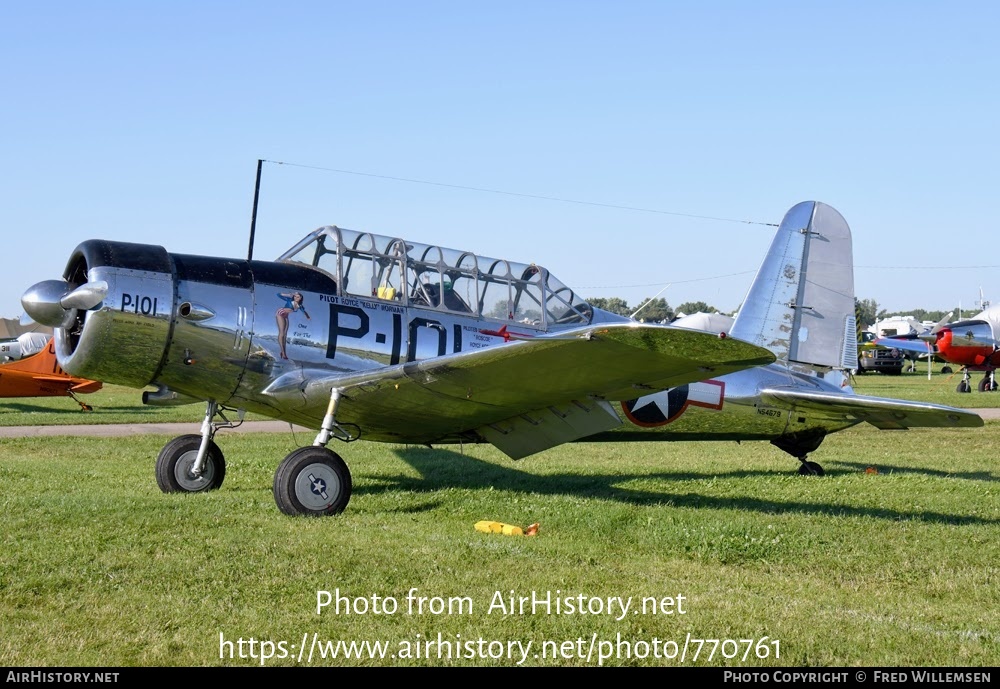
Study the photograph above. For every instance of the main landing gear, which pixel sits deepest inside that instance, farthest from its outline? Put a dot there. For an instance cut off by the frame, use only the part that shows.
(987, 384)
(311, 481)
(193, 463)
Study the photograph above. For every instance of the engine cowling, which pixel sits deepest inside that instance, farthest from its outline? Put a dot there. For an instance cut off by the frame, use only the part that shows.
(135, 315)
(112, 319)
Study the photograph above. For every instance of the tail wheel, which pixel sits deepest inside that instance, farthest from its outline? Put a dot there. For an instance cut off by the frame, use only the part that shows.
(312, 481)
(174, 463)
(810, 469)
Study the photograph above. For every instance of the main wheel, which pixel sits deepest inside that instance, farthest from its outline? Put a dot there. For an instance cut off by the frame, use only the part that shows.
(173, 466)
(810, 469)
(964, 387)
(312, 481)
(986, 386)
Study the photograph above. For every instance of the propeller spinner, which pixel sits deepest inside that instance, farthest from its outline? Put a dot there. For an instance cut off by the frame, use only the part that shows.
(54, 302)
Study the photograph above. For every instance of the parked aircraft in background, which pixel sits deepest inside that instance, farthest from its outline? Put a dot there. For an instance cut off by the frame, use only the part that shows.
(801, 307)
(971, 343)
(360, 336)
(39, 375)
(23, 345)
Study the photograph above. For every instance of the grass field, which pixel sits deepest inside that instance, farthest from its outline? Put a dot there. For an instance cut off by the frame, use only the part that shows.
(898, 567)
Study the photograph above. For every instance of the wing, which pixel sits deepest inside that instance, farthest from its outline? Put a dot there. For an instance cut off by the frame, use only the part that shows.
(448, 396)
(878, 411)
(908, 345)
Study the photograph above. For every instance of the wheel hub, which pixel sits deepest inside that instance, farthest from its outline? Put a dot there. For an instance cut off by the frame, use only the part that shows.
(187, 480)
(317, 487)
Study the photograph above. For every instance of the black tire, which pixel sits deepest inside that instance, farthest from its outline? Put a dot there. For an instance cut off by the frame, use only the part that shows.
(810, 469)
(985, 386)
(946, 369)
(963, 387)
(313, 482)
(175, 460)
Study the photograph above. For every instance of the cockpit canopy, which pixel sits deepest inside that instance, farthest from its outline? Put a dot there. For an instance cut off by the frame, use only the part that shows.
(372, 266)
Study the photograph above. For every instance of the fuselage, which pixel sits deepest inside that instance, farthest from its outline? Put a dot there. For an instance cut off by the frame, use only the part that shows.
(970, 343)
(731, 408)
(208, 328)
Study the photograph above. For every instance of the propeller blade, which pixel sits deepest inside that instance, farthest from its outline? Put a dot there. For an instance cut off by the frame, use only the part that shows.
(941, 323)
(86, 296)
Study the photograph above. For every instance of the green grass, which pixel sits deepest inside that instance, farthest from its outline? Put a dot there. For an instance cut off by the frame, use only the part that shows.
(895, 568)
(111, 404)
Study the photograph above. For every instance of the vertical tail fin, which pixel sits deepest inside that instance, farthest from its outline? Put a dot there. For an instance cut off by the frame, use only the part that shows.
(801, 303)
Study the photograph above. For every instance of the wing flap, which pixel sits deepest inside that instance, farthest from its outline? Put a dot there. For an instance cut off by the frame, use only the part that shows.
(541, 429)
(886, 414)
(423, 401)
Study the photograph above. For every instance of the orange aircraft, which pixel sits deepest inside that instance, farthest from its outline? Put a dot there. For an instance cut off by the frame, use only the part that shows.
(39, 375)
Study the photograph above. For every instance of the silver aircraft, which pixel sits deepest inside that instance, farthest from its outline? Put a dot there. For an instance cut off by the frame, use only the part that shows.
(360, 336)
(801, 307)
(364, 336)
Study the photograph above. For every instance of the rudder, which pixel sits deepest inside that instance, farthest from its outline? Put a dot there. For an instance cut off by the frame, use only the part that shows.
(801, 302)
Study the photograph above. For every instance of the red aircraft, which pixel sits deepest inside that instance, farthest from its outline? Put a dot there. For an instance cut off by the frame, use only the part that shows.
(972, 344)
(39, 375)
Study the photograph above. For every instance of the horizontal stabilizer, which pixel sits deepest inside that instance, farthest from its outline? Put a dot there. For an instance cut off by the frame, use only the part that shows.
(886, 414)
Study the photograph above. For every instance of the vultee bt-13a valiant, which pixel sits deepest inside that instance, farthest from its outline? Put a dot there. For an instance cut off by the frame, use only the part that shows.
(360, 336)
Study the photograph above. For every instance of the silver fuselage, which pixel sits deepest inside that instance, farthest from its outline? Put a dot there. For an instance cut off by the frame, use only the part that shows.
(731, 408)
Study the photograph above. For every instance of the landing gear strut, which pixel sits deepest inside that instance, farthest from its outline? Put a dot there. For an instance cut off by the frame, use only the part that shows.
(83, 405)
(194, 463)
(315, 481)
(964, 385)
(809, 468)
(988, 383)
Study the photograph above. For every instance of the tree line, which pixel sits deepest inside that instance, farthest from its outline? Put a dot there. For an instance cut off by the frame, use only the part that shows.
(867, 313)
(659, 311)
(655, 311)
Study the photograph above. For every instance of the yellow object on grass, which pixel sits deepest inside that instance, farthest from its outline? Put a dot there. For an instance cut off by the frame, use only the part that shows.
(506, 529)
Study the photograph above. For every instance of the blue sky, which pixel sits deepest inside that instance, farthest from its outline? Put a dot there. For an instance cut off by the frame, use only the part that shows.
(142, 121)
